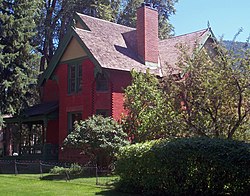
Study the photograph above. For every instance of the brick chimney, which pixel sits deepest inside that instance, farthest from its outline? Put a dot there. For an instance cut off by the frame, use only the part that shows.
(147, 34)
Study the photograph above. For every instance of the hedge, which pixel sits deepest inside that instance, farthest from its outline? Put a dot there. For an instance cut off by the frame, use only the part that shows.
(187, 166)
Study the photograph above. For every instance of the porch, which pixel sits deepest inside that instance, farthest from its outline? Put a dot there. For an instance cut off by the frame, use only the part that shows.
(46, 152)
(30, 135)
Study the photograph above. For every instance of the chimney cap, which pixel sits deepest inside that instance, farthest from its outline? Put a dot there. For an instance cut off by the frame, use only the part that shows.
(144, 4)
(149, 5)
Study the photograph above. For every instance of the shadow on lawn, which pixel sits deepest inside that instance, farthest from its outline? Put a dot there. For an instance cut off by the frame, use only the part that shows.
(59, 177)
(114, 193)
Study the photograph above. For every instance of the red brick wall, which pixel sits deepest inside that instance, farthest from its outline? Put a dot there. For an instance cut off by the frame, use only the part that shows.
(147, 34)
(86, 101)
(50, 91)
(79, 102)
(52, 132)
(119, 80)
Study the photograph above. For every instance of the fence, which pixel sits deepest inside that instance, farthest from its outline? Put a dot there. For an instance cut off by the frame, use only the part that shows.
(102, 177)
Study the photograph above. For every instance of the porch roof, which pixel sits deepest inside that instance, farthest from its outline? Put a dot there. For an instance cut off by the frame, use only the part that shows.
(37, 113)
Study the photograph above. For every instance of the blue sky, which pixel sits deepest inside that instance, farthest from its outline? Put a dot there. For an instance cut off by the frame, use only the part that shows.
(226, 17)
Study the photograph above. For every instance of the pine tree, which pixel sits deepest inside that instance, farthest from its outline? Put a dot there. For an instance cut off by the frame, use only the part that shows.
(18, 59)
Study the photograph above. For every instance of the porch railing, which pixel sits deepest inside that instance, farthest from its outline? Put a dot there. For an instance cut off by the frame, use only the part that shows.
(43, 152)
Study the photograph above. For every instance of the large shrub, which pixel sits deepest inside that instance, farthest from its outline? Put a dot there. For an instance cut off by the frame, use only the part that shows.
(185, 166)
(98, 137)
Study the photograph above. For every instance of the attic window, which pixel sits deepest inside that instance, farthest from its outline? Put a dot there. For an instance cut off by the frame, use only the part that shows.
(74, 78)
(101, 82)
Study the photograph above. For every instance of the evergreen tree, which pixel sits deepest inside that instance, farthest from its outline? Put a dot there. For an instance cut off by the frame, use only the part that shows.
(165, 9)
(18, 59)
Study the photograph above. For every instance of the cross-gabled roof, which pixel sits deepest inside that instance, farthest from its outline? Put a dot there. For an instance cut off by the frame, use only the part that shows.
(113, 46)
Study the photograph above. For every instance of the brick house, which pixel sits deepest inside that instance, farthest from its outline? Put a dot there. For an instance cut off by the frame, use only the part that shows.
(88, 73)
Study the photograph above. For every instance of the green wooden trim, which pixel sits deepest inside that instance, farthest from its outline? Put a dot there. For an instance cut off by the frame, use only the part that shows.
(71, 61)
(68, 78)
(69, 119)
(78, 18)
(209, 34)
(55, 59)
(59, 52)
(21, 119)
(77, 78)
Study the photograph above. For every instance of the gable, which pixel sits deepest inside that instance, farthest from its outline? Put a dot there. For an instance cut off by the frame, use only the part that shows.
(70, 41)
(73, 51)
(113, 46)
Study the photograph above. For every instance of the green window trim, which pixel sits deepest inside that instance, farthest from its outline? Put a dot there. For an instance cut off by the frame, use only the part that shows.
(103, 112)
(71, 118)
(74, 77)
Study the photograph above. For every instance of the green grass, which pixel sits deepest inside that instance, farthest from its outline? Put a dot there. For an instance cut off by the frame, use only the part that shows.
(24, 184)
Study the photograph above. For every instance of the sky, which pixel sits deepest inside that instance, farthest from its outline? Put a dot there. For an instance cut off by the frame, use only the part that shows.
(225, 17)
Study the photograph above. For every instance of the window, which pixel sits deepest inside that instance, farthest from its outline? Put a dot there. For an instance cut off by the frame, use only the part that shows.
(74, 78)
(101, 83)
(103, 112)
(72, 118)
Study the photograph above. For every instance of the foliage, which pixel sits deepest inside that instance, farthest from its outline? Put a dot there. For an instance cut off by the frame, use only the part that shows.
(150, 114)
(165, 9)
(187, 166)
(97, 136)
(74, 169)
(59, 170)
(17, 54)
(57, 16)
(214, 91)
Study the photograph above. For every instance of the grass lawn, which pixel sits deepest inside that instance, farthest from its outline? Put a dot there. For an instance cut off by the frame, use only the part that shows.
(24, 184)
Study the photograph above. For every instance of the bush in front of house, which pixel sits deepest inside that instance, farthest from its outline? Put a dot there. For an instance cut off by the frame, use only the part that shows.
(98, 137)
(185, 166)
(73, 170)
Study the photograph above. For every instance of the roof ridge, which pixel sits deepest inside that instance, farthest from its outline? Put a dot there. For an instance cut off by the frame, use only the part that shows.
(185, 34)
(106, 21)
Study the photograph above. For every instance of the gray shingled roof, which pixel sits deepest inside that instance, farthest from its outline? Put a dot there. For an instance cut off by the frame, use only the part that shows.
(114, 46)
(170, 53)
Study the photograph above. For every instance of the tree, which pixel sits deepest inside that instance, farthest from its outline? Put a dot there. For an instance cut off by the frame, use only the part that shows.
(98, 137)
(56, 17)
(210, 98)
(215, 93)
(165, 9)
(17, 54)
(150, 114)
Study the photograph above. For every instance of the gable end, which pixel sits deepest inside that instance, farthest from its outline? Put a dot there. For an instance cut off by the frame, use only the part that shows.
(60, 51)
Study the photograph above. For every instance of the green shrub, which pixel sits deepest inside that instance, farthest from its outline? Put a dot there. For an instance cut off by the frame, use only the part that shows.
(187, 166)
(59, 170)
(98, 137)
(74, 169)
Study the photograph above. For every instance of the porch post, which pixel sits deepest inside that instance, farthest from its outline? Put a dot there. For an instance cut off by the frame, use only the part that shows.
(44, 128)
(30, 129)
(20, 137)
